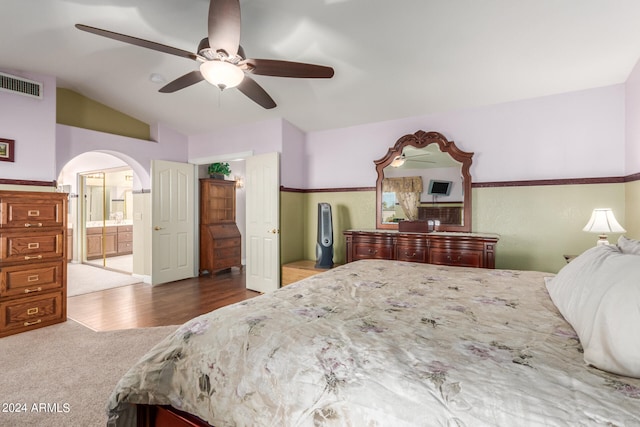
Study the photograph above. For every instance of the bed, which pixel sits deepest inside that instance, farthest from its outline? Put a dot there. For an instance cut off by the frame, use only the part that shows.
(381, 343)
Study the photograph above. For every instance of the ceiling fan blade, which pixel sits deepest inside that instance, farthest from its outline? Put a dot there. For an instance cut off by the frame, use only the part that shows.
(255, 92)
(182, 82)
(273, 67)
(224, 25)
(138, 42)
(416, 158)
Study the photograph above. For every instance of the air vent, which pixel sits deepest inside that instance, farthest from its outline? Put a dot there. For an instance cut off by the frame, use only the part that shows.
(20, 86)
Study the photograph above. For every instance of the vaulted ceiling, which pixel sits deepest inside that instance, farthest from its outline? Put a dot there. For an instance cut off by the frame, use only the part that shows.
(392, 59)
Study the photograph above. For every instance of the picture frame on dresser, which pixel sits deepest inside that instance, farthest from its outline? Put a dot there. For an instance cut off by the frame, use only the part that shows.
(7, 150)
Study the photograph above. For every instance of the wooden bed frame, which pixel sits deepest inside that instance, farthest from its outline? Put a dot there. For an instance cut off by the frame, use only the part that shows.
(166, 416)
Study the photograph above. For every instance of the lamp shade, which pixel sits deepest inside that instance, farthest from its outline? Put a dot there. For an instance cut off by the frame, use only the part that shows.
(222, 74)
(603, 221)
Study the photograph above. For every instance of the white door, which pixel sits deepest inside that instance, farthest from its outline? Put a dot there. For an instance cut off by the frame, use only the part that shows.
(263, 222)
(172, 221)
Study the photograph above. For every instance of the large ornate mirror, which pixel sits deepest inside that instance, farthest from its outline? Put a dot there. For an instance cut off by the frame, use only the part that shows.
(424, 178)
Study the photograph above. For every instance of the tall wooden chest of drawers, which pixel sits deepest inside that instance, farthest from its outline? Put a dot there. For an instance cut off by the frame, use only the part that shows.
(220, 240)
(33, 264)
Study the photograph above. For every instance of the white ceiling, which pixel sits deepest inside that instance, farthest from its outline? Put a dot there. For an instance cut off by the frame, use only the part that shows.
(392, 58)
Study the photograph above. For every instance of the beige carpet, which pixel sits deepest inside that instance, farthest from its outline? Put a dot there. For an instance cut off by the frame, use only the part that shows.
(123, 263)
(68, 368)
(83, 279)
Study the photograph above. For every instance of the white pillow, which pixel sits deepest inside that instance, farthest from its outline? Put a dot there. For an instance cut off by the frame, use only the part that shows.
(598, 293)
(629, 246)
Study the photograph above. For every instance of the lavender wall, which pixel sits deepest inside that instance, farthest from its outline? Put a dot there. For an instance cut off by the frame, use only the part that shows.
(262, 137)
(632, 189)
(259, 138)
(293, 168)
(573, 135)
(171, 145)
(633, 121)
(31, 123)
(43, 147)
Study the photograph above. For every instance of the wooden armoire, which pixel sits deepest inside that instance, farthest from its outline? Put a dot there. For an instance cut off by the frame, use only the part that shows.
(220, 241)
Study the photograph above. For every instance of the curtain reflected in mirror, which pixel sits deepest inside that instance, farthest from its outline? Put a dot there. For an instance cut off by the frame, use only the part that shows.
(439, 199)
(406, 192)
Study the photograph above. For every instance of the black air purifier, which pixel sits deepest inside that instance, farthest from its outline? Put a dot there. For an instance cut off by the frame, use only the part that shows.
(324, 247)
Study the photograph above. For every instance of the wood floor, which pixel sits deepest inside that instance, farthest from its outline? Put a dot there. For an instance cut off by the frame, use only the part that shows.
(143, 306)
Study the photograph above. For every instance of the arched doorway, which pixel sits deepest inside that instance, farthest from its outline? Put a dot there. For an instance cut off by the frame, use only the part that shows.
(101, 212)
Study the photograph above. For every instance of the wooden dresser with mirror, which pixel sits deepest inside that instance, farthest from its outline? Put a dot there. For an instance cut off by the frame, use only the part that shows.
(423, 207)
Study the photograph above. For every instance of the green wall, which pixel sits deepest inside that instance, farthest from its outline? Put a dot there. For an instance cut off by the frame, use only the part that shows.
(292, 232)
(76, 110)
(349, 209)
(298, 221)
(536, 224)
(632, 201)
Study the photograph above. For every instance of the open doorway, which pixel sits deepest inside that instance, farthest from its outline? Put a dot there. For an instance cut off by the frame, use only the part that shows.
(237, 165)
(100, 233)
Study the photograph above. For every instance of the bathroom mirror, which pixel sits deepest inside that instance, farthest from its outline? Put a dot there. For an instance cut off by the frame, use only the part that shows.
(108, 197)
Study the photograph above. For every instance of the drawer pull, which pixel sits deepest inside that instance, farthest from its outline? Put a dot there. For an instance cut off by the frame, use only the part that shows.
(27, 258)
(454, 260)
(33, 245)
(32, 323)
(33, 278)
(32, 311)
(373, 251)
(409, 255)
(37, 224)
(28, 291)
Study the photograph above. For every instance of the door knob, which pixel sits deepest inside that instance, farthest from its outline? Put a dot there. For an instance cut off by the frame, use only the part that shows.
(158, 228)
(274, 231)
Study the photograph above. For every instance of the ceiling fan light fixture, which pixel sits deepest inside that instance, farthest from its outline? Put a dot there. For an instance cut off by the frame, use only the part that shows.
(157, 78)
(398, 161)
(221, 73)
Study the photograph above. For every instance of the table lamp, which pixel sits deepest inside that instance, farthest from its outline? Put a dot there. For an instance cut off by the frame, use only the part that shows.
(603, 221)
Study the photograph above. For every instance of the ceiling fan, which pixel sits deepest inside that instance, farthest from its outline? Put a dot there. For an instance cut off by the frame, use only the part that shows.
(223, 61)
(402, 158)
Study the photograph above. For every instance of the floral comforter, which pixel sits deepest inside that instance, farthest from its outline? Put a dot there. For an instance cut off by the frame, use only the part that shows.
(383, 343)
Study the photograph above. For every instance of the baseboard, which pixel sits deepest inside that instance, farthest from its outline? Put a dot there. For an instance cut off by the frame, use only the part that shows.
(143, 277)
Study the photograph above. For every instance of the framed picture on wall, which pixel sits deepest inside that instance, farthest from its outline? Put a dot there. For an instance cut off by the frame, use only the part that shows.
(7, 150)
